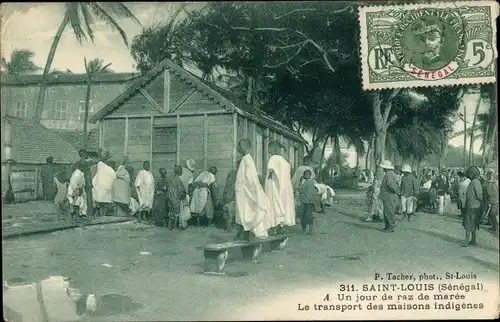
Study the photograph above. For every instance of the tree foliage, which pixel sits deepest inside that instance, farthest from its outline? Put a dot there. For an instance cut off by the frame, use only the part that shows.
(20, 63)
(299, 61)
(83, 17)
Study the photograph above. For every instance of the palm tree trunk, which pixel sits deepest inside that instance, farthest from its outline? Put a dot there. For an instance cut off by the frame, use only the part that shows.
(323, 150)
(48, 64)
(465, 136)
(336, 147)
(86, 116)
(249, 89)
(471, 144)
(368, 151)
(493, 145)
(323, 161)
(485, 147)
(373, 162)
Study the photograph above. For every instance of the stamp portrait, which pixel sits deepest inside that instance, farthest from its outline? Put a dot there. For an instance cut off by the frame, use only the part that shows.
(428, 44)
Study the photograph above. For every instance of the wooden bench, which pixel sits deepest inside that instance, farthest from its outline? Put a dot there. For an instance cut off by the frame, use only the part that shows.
(216, 255)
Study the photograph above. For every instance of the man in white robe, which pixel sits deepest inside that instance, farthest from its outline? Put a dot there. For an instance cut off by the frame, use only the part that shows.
(102, 183)
(251, 200)
(279, 190)
(145, 186)
(76, 193)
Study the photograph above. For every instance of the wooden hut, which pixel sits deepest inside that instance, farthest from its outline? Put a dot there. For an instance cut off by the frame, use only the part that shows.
(170, 115)
(25, 147)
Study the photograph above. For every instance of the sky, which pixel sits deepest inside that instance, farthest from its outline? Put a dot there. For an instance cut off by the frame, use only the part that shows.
(33, 25)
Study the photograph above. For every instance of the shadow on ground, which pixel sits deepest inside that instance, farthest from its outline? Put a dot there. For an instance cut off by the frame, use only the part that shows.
(362, 226)
(452, 239)
(489, 265)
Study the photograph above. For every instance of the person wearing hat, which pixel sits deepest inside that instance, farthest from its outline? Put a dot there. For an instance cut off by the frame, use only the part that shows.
(48, 184)
(389, 191)
(429, 34)
(473, 200)
(409, 191)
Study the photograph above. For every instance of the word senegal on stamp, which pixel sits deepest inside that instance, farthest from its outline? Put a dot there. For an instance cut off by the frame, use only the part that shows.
(434, 44)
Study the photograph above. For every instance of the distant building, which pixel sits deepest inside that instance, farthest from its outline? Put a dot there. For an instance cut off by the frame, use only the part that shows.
(25, 147)
(64, 104)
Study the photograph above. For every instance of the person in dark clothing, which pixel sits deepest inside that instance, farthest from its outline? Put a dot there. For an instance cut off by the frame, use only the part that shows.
(433, 194)
(442, 185)
(228, 199)
(160, 199)
(308, 197)
(389, 191)
(473, 215)
(491, 199)
(176, 193)
(48, 184)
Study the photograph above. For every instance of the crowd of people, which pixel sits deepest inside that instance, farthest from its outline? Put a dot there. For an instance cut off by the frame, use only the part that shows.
(259, 205)
(401, 192)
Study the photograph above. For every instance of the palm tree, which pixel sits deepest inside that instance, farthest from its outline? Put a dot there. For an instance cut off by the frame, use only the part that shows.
(415, 141)
(81, 16)
(21, 62)
(93, 67)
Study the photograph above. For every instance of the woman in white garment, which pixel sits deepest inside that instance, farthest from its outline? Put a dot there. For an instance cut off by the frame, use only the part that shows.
(121, 190)
(76, 193)
(103, 186)
(202, 202)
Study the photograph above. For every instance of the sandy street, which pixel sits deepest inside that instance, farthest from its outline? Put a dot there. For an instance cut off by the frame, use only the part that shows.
(166, 284)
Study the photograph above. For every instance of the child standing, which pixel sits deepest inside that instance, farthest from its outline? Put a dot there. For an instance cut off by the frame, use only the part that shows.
(308, 197)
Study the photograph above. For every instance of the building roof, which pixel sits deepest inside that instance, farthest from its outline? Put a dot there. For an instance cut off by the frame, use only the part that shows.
(75, 138)
(226, 100)
(59, 79)
(32, 143)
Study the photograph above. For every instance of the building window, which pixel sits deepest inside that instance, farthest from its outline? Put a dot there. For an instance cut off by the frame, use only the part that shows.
(81, 110)
(21, 109)
(61, 112)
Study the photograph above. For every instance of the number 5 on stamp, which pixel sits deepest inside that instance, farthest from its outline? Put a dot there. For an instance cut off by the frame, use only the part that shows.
(428, 44)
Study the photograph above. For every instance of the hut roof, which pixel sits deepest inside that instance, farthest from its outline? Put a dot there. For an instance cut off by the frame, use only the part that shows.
(226, 100)
(32, 143)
